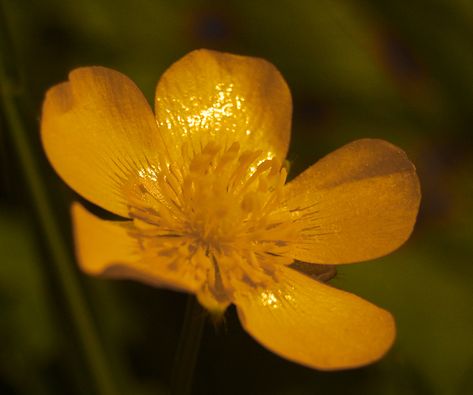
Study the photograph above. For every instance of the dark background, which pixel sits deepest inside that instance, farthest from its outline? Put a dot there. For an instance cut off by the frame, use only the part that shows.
(397, 70)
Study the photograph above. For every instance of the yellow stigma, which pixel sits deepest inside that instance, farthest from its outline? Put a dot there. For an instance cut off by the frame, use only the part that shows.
(221, 213)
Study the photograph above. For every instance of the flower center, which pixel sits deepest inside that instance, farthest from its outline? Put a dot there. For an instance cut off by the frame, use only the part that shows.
(221, 212)
(227, 194)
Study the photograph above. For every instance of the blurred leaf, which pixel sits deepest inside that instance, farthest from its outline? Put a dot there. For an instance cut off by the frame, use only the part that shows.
(26, 327)
(431, 301)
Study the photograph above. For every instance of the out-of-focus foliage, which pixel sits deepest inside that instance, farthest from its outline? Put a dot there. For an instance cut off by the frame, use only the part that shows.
(402, 71)
(26, 329)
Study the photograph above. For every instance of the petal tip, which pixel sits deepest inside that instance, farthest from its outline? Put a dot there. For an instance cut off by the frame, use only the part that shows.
(58, 97)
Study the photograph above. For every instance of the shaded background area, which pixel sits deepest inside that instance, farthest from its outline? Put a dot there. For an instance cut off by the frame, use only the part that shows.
(402, 71)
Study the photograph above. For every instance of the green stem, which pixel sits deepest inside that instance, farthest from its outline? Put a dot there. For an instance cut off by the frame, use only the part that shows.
(60, 256)
(188, 349)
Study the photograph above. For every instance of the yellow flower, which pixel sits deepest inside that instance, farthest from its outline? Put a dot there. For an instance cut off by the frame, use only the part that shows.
(202, 188)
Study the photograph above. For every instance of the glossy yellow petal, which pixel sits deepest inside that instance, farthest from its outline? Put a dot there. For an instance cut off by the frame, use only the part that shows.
(210, 95)
(357, 203)
(106, 248)
(316, 325)
(99, 132)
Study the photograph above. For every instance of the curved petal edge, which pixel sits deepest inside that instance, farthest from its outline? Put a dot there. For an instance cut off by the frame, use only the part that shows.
(316, 325)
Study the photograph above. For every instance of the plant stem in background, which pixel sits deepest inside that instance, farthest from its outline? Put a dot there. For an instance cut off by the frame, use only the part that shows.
(188, 348)
(61, 259)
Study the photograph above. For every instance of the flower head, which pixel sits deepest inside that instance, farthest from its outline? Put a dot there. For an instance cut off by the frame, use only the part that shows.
(202, 189)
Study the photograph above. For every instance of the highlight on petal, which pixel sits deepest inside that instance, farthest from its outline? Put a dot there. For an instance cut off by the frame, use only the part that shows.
(106, 248)
(316, 325)
(210, 95)
(99, 133)
(360, 202)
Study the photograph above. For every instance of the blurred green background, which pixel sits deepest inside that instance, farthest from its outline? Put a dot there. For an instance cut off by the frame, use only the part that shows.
(402, 71)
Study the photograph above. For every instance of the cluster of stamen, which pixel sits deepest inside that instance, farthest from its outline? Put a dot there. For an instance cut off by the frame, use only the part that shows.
(218, 218)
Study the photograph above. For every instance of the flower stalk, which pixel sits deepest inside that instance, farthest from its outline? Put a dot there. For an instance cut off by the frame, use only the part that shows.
(188, 349)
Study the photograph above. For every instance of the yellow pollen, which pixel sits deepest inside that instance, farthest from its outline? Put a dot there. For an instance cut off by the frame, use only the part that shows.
(221, 213)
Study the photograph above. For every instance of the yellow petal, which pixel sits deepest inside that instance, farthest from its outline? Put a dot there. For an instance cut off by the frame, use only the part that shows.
(210, 302)
(98, 132)
(357, 203)
(210, 95)
(105, 248)
(316, 325)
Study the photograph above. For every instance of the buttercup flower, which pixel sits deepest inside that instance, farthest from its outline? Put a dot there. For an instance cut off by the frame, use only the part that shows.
(206, 209)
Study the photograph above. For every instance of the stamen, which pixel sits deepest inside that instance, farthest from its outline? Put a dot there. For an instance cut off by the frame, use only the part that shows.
(220, 216)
